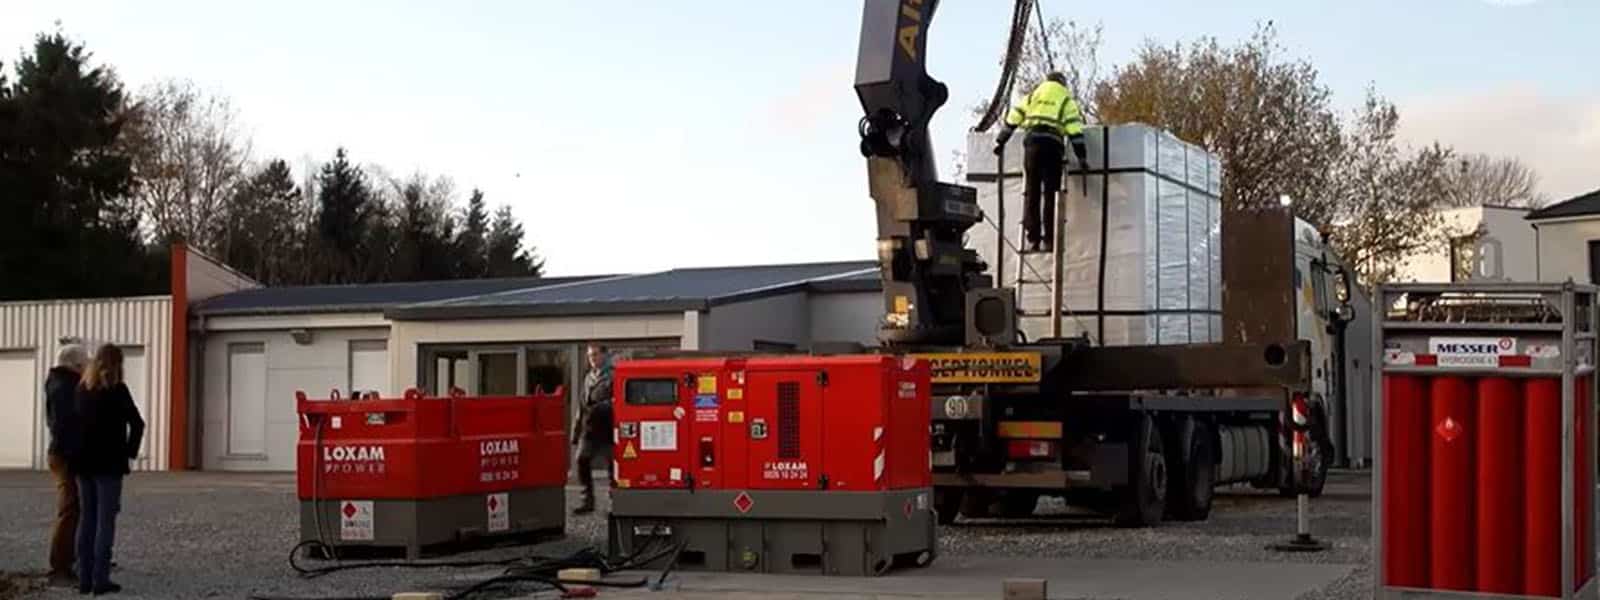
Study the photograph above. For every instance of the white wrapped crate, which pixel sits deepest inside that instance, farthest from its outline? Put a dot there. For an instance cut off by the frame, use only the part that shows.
(1162, 244)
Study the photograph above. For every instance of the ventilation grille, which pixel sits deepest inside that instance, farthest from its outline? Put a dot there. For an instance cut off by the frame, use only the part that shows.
(789, 420)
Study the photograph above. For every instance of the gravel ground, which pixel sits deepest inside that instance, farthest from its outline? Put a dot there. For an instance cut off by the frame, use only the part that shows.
(213, 535)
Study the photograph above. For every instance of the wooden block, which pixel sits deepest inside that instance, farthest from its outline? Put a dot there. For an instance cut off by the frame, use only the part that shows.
(1023, 589)
(578, 575)
(418, 596)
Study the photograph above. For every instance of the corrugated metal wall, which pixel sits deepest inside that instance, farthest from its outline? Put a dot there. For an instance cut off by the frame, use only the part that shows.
(144, 322)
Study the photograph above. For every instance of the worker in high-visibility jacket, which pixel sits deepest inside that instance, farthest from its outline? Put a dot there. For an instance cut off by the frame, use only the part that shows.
(1049, 114)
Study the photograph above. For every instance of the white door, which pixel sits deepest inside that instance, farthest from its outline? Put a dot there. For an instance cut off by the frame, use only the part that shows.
(136, 377)
(369, 367)
(19, 397)
(247, 400)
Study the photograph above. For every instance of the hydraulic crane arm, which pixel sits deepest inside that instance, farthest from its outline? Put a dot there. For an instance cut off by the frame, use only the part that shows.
(926, 269)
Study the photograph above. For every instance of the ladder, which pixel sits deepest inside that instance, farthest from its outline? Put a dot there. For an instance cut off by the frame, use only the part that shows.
(1024, 269)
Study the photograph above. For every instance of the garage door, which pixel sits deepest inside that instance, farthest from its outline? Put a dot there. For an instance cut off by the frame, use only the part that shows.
(18, 396)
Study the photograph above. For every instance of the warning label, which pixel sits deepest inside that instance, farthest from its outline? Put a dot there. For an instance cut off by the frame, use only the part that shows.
(984, 367)
(658, 435)
(355, 520)
(499, 509)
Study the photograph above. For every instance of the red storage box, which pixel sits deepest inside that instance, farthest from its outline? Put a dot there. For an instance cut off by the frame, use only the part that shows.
(1474, 491)
(417, 471)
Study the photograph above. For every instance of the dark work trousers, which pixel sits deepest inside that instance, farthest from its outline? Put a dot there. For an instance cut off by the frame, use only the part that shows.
(65, 532)
(100, 499)
(588, 451)
(1041, 166)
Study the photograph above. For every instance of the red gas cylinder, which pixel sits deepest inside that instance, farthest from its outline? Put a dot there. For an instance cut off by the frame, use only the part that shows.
(1500, 486)
(1405, 480)
(1542, 548)
(1453, 553)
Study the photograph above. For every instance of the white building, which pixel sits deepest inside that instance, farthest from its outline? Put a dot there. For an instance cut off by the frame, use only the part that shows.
(31, 332)
(256, 348)
(1568, 239)
(1487, 243)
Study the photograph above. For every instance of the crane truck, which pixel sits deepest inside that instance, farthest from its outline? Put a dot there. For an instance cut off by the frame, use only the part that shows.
(1141, 433)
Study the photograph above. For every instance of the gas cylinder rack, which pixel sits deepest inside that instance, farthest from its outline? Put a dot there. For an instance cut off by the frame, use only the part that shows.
(1485, 434)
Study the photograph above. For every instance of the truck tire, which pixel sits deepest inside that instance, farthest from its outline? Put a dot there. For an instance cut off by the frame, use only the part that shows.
(1017, 504)
(1193, 481)
(946, 503)
(1142, 502)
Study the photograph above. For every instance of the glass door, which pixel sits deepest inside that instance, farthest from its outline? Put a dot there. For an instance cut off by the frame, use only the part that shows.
(497, 372)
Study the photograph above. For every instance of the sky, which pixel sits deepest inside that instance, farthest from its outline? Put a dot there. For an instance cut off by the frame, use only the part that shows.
(638, 136)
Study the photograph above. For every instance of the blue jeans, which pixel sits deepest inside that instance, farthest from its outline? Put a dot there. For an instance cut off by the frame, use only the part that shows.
(99, 500)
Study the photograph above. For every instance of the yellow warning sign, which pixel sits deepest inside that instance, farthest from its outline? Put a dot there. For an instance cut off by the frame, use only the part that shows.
(629, 452)
(736, 393)
(708, 384)
(622, 483)
(984, 367)
(735, 416)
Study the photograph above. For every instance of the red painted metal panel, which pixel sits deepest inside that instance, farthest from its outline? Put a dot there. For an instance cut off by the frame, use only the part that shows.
(416, 447)
(1451, 497)
(910, 451)
(1542, 544)
(785, 422)
(1500, 486)
(1405, 480)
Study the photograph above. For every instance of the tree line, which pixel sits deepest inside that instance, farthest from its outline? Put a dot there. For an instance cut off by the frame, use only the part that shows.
(97, 182)
(1272, 122)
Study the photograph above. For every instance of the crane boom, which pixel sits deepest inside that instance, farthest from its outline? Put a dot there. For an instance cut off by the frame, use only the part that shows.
(926, 268)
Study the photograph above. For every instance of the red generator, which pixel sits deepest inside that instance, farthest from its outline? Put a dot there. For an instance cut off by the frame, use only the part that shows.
(416, 472)
(785, 464)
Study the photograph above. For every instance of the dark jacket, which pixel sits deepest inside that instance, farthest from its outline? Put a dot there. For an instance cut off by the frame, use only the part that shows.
(594, 409)
(110, 433)
(60, 415)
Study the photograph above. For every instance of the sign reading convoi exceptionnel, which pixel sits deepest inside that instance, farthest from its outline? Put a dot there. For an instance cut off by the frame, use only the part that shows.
(1471, 351)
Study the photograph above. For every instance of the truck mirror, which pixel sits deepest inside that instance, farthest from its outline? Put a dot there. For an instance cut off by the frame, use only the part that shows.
(1341, 287)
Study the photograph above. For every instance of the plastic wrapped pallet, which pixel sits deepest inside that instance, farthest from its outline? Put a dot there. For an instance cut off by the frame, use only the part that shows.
(1162, 251)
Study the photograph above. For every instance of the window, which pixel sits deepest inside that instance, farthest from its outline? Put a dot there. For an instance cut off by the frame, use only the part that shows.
(651, 392)
(247, 399)
(1594, 261)
(369, 368)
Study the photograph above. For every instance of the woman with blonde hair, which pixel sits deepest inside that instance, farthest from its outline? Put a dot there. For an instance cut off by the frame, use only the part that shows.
(111, 431)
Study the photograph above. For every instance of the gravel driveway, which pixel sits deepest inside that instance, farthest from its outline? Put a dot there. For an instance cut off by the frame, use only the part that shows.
(216, 535)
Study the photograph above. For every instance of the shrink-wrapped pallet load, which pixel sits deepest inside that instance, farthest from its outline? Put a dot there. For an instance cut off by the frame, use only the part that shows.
(1161, 273)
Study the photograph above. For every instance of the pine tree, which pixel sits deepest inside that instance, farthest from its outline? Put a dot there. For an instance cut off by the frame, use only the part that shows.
(263, 230)
(506, 257)
(65, 225)
(471, 243)
(344, 218)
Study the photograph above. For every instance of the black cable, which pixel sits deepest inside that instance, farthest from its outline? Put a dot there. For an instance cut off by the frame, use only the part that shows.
(1044, 36)
(1008, 66)
(676, 552)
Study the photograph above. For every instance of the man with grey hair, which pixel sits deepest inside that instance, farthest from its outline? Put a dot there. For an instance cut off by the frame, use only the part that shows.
(59, 390)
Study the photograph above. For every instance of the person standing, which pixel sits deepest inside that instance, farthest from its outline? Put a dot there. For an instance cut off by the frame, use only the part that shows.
(60, 388)
(111, 431)
(1050, 116)
(591, 429)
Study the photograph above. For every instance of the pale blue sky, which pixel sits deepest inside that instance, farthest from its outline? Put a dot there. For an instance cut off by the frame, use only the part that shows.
(644, 135)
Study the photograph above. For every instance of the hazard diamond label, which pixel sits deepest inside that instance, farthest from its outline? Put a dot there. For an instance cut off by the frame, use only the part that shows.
(355, 522)
(908, 509)
(1449, 429)
(743, 502)
(499, 515)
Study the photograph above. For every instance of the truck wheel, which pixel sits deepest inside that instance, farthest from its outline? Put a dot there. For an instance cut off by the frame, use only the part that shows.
(1194, 480)
(1016, 504)
(946, 503)
(1145, 499)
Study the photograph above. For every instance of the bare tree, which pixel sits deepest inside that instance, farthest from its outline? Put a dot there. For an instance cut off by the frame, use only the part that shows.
(1384, 197)
(1479, 180)
(190, 157)
(1070, 48)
